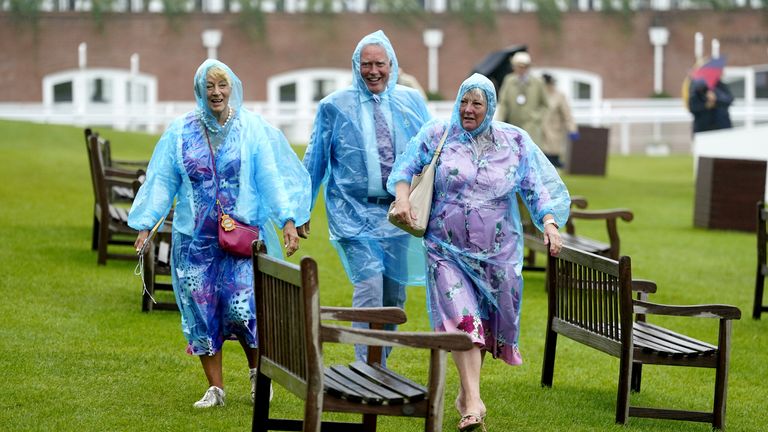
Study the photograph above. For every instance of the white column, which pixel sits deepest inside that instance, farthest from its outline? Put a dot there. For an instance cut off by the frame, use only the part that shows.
(79, 83)
(436, 6)
(82, 55)
(715, 48)
(290, 6)
(211, 40)
(433, 38)
(698, 47)
(659, 37)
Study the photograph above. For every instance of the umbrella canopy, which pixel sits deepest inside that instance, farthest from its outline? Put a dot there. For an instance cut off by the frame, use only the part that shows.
(709, 72)
(495, 66)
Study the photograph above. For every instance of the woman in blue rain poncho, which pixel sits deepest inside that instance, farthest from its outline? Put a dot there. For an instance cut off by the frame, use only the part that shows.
(474, 239)
(351, 152)
(220, 151)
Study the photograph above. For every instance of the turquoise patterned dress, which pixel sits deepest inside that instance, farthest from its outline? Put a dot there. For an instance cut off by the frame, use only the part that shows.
(258, 179)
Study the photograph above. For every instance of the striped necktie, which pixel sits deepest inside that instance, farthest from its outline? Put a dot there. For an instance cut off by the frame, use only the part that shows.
(383, 141)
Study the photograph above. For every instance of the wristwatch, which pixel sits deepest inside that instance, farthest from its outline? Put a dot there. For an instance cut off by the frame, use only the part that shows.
(551, 221)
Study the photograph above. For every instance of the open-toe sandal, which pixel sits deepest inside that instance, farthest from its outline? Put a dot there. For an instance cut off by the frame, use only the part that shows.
(471, 422)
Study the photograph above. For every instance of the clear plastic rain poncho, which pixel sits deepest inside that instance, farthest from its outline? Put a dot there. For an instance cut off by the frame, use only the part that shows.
(336, 157)
(258, 180)
(474, 240)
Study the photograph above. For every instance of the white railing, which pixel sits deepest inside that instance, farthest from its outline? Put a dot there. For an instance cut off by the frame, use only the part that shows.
(365, 6)
(636, 125)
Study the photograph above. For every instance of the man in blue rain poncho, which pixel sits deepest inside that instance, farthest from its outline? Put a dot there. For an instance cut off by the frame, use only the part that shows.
(220, 157)
(357, 134)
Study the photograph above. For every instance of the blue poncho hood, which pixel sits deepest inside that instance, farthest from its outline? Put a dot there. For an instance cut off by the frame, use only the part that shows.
(484, 84)
(235, 97)
(375, 38)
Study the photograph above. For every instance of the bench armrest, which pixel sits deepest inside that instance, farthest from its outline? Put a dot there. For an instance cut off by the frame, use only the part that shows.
(116, 181)
(609, 216)
(578, 201)
(124, 173)
(644, 286)
(131, 163)
(624, 214)
(698, 311)
(427, 340)
(383, 315)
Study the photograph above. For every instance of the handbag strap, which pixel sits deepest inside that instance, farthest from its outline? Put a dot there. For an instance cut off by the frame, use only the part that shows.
(440, 146)
(213, 163)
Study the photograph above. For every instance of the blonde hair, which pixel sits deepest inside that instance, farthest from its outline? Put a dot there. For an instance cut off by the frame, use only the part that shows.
(217, 74)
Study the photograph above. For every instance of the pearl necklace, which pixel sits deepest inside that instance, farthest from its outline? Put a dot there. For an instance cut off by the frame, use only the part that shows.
(211, 128)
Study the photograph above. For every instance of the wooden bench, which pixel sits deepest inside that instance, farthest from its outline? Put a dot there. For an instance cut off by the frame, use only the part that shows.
(762, 265)
(291, 339)
(110, 215)
(591, 302)
(129, 170)
(534, 239)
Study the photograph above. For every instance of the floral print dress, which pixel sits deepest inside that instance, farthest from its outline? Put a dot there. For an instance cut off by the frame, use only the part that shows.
(474, 241)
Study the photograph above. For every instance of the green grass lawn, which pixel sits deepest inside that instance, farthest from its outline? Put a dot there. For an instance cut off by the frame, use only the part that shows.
(78, 355)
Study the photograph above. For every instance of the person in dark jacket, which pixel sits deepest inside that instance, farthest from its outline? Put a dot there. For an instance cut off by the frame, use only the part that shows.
(709, 106)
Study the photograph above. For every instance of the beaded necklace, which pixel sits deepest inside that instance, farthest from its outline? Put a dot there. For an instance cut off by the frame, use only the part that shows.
(211, 128)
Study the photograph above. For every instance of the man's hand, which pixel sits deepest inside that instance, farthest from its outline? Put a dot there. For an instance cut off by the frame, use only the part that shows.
(303, 231)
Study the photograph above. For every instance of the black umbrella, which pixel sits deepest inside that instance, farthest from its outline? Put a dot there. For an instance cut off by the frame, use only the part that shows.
(496, 65)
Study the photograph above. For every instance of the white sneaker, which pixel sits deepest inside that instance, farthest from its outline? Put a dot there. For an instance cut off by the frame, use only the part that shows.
(214, 396)
(252, 375)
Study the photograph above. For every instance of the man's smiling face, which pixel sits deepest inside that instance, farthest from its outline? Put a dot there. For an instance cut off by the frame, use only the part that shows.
(374, 68)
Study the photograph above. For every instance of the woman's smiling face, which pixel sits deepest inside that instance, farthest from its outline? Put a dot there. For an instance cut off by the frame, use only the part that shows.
(218, 90)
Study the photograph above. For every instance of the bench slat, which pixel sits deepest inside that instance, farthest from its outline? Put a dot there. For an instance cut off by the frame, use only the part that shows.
(349, 387)
(410, 390)
(388, 396)
(337, 388)
(584, 243)
(675, 341)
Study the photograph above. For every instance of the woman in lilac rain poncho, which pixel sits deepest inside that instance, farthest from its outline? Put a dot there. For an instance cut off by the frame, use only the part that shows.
(220, 151)
(474, 240)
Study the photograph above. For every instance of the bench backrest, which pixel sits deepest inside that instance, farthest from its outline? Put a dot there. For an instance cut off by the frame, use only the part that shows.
(101, 190)
(590, 298)
(762, 235)
(288, 320)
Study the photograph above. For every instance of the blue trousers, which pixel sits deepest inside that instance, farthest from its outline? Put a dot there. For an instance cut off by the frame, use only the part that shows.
(377, 269)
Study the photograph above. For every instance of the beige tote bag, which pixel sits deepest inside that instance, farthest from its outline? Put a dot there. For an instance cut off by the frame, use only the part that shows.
(422, 187)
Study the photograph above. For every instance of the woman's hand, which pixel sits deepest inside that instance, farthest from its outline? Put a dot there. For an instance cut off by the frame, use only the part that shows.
(140, 239)
(402, 209)
(290, 237)
(552, 239)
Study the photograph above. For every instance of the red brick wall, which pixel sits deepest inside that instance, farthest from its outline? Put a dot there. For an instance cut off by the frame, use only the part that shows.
(591, 41)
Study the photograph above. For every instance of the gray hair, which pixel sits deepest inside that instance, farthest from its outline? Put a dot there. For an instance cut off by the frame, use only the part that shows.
(477, 92)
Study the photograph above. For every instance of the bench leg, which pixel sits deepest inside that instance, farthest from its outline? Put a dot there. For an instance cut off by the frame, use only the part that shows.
(721, 374)
(261, 404)
(95, 234)
(622, 397)
(550, 347)
(530, 258)
(637, 376)
(757, 308)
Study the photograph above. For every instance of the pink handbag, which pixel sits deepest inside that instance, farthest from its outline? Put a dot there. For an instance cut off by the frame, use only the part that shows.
(235, 237)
